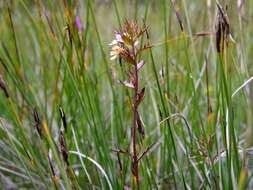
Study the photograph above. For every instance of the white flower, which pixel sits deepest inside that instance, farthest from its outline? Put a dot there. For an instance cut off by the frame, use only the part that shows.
(136, 43)
(114, 42)
(116, 50)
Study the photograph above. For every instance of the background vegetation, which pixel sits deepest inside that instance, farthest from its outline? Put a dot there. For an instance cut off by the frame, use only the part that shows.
(197, 110)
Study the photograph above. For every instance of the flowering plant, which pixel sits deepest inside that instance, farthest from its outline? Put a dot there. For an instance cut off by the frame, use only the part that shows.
(127, 47)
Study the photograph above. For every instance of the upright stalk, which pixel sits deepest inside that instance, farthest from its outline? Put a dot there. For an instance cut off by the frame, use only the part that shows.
(135, 115)
(126, 46)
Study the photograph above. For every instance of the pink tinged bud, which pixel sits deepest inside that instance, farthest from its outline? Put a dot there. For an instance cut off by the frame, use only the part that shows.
(78, 23)
(118, 37)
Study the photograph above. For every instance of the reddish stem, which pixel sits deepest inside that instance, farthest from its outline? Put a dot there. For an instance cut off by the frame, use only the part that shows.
(135, 170)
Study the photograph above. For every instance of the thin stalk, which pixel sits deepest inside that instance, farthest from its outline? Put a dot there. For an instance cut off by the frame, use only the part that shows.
(135, 115)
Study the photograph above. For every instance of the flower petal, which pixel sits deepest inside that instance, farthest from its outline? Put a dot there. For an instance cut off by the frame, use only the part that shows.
(113, 57)
(118, 37)
(136, 43)
(78, 23)
(114, 42)
(127, 84)
(140, 64)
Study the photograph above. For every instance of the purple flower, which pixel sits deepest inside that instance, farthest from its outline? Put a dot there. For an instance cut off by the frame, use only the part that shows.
(118, 37)
(78, 23)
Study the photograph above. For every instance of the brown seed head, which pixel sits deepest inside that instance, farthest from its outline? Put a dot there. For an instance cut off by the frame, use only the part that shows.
(63, 118)
(3, 86)
(37, 123)
(63, 147)
(222, 29)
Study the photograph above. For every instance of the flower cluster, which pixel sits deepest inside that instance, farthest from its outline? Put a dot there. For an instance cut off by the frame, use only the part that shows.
(126, 42)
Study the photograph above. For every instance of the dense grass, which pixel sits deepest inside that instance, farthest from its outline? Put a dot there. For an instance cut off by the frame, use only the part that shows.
(197, 111)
